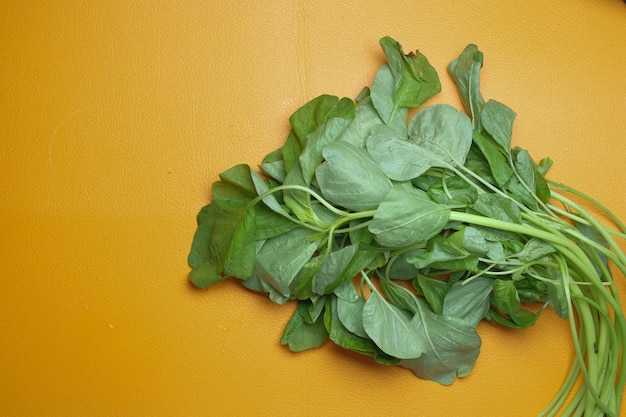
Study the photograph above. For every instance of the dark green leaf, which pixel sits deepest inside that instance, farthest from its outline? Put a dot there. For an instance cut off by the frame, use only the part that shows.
(434, 291)
(445, 254)
(498, 207)
(505, 297)
(497, 159)
(497, 119)
(273, 165)
(535, 249)
(291, 151)
(401, 269)
(343, 337)
(301, 335)
(317, 112)
(298, 201)
(205, 274)
(241, 255)
(468, 301)
(269, 223)
(200, 246)
(465, 71)
(326, 279)
(302, 285)
(415, 80)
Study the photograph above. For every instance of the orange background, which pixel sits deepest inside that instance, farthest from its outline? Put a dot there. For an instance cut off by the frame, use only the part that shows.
(115, 118)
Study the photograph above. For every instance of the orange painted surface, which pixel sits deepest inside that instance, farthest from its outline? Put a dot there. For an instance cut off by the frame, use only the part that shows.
(115, 120)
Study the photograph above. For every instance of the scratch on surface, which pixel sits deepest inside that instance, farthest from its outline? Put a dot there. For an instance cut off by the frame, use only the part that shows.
(60, 125)
(228, 327)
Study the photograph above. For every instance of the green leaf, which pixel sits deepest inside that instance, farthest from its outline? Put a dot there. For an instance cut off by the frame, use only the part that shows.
(256, 283)
(350, 178)
(453, 346)
(241, 255)
(358, 256)
(497, 119)
(334, 264)
(434, 291)
(399, 295)
(269, 224)
(473, 241)
(273, 165)
(498, 207)
(520, 319)
(302, 284)
(469, 301)
(301, 335)
(415, 80)
(444, 133)
(344, 338)
(399, 158)
(505, 297)
(200, 245)
(282, 257)
(206, 274)
(311, 155)
(530, 175)
(446, 254)
(391, 328)
(291, 151)
(318, 303)
(400, 269)
(262, 188)
(365, 118)
(350, 314)
(317, 112)
(495, 156)
(298, 201)
(465, 72)
(452, 191)
(383, 100)
(535, 249)
(239, 177)
(407, 216)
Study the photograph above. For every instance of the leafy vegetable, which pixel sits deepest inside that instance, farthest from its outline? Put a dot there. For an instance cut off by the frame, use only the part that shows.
(397, 237)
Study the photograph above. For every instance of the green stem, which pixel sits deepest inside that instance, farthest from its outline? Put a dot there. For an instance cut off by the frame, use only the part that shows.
(596, 203)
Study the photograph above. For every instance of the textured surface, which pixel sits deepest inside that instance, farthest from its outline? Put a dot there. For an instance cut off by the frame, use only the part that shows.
(114, 121)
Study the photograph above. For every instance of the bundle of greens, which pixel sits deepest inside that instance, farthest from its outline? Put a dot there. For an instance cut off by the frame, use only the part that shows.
(397, 235)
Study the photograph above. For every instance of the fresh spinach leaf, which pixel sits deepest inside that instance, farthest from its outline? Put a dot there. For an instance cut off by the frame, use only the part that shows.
(469, 301)
(317, 112)
(282, 257)
(415, 80)
(497, 119)
(301, 335)
(443, 133)
(391, 328)
(399, 158)
(350, 178)
(406, 216)
(465, 72)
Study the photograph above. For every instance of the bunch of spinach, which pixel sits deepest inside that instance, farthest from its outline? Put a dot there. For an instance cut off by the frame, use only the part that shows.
(397, 238)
